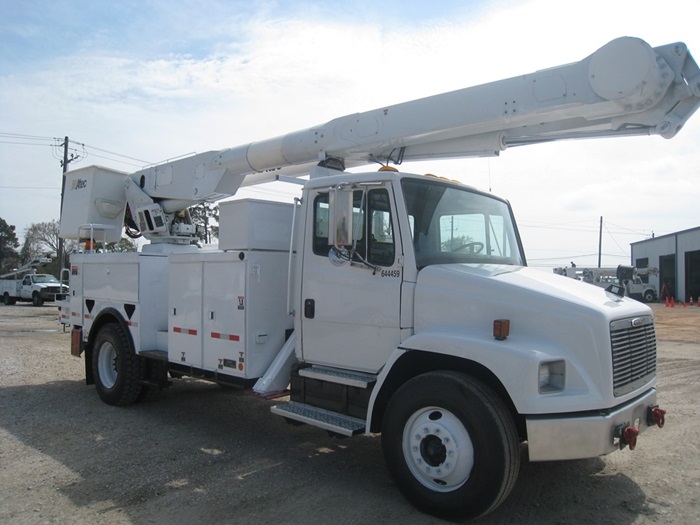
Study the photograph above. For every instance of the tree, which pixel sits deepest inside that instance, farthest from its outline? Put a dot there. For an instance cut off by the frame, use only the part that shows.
(9, 243)
(41, 239)
(124, 245)
(454, 243)
(206, 217)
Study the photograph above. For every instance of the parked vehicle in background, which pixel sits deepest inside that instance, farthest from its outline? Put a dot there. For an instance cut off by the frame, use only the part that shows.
(23, 284)
(628, 277)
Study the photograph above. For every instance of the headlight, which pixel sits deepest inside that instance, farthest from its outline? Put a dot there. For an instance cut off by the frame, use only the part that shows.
(552, 375)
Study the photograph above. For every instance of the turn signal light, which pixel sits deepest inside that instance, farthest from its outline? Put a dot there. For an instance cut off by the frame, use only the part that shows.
(501, 329)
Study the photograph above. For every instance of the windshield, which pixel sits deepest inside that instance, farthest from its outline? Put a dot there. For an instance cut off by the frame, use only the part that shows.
(459, 225)
(41, 278)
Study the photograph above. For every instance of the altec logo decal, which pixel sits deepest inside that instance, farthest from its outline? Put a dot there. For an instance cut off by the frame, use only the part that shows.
(78, 184)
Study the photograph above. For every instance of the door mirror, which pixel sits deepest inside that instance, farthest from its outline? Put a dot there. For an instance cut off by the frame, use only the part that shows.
(340, 217)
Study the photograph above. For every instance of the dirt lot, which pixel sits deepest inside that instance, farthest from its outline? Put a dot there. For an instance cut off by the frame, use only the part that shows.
(204, 454)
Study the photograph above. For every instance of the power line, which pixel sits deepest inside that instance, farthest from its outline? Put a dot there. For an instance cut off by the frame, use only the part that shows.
(25, 143)
(82, 151)
(583, 229)
(22, 136)
(117, 154)
(30, 187)
(568, 257)
(114, 160)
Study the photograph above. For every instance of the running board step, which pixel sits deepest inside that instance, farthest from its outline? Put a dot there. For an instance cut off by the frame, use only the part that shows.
(156, 355)
(318, 417)
(336, 375)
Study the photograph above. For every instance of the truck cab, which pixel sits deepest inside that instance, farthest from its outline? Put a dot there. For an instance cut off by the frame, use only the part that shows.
(398, 225)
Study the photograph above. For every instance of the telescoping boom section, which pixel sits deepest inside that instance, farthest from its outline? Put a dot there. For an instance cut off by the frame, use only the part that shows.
(624, 88)
(386, 302)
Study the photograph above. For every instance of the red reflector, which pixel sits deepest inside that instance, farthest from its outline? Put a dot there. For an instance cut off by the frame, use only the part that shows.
(501, 329)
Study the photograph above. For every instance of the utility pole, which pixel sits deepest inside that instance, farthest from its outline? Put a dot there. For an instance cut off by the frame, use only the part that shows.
(600, 240)
(64, 164)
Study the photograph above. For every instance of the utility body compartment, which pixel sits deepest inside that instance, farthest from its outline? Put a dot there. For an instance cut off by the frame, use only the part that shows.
(250, 224)
(227, 311)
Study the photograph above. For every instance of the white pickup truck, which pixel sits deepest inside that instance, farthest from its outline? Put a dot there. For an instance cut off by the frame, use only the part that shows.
(36, 287)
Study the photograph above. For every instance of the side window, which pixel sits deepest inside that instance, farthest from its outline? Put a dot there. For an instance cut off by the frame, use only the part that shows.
(375, 241)
(27, 280)
(381, 248)
(320, 241)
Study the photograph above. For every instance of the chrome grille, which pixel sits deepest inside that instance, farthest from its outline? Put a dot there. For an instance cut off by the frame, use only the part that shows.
(633, 344)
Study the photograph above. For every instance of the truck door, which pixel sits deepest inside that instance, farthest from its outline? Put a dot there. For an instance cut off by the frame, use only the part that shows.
(350, 309)
(26, 291)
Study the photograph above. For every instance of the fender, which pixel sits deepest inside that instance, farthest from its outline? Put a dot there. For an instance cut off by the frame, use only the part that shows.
(510, 367)
(107, 315)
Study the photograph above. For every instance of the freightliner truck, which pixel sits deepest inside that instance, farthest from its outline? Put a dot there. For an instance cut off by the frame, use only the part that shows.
(386, 302)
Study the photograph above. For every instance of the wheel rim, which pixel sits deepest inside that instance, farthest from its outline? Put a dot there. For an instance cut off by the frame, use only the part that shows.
(107, 365)
(438, 450)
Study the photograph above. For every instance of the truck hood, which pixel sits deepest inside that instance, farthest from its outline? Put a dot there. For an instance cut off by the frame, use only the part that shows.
(488, 290)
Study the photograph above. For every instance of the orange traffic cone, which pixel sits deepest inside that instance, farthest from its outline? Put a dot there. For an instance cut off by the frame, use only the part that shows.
(668, 303)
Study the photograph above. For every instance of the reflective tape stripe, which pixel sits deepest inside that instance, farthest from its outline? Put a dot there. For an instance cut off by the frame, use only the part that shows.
(185, 331)
(230, 337)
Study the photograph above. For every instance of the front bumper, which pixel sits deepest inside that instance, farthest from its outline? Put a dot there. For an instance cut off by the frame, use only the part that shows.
(588, 436)
(52, 295)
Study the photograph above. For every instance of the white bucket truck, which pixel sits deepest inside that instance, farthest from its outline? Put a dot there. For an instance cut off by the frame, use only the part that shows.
(24, 284)
(361, 296)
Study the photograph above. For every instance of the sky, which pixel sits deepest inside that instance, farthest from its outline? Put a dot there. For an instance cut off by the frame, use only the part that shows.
(133, 83)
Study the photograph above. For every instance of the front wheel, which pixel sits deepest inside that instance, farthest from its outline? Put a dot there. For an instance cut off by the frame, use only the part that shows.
(36, 299)
(451, 445)
(649, 296)
(116, 368)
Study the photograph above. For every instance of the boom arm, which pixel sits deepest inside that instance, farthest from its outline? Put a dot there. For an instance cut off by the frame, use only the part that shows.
(624, 88)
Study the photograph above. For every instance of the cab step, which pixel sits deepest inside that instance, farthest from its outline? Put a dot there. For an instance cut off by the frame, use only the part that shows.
(156, 355)
(318, 417)
(336, 375)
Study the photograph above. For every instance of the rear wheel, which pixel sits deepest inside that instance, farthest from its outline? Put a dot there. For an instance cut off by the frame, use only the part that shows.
(450, 445)
(649, 296)
(116, 368)
(7, 300)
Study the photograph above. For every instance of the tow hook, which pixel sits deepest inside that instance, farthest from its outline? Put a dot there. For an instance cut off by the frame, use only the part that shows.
(656, 416)
(627, 435)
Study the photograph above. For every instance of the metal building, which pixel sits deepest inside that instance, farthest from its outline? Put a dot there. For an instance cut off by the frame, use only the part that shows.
(677, 256)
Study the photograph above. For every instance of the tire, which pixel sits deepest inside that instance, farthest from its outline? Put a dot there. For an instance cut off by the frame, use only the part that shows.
(649, 296)
(117, 369)
(36, 299)
(7, 300)
(450, 445)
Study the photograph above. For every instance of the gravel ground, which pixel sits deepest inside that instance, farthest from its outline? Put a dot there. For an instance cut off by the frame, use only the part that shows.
(204, 454)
